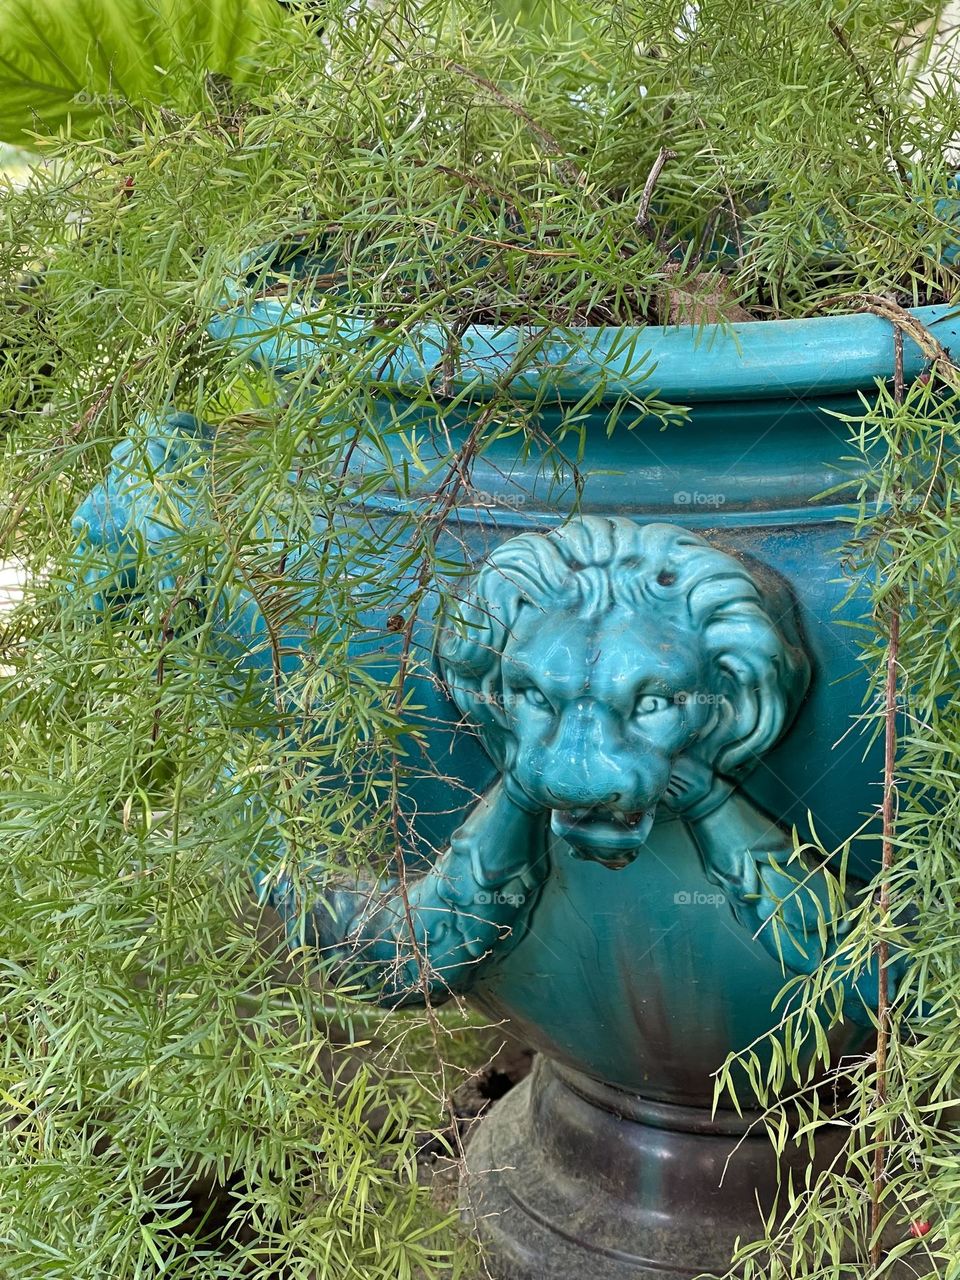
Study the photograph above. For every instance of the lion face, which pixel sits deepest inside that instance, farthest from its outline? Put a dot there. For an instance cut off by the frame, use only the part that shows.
(596, 712)
(594, 656)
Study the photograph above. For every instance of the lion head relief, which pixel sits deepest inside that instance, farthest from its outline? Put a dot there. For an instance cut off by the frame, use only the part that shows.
(596, 656)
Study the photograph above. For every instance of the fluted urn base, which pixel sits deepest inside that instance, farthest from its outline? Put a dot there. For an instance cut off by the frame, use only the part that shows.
(569, 1179)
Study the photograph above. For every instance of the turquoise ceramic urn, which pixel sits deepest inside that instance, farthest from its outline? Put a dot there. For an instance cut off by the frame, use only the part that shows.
(634, 686)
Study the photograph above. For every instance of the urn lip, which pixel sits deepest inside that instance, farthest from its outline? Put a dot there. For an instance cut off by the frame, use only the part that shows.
(821, 356)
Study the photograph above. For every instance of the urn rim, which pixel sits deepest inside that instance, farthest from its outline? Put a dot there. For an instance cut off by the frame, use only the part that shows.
(818, 356)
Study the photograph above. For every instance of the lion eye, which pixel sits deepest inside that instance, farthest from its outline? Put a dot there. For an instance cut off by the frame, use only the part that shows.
(648, 703)
(534, 696)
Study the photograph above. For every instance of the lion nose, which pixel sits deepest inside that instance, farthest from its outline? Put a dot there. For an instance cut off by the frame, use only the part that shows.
(585, 767)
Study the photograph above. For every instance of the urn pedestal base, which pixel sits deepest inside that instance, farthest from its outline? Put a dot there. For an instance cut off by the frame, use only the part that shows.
(570, 1179)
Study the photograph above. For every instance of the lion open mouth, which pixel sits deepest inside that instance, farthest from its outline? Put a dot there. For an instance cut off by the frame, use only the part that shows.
(611, 838)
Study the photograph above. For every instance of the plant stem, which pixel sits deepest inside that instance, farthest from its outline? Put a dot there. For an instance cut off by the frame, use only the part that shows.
(869, 93)
(883, 896)
(653, 177)
(883, 904)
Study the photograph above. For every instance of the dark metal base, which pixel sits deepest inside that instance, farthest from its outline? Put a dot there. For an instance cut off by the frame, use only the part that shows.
(569, 1179)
